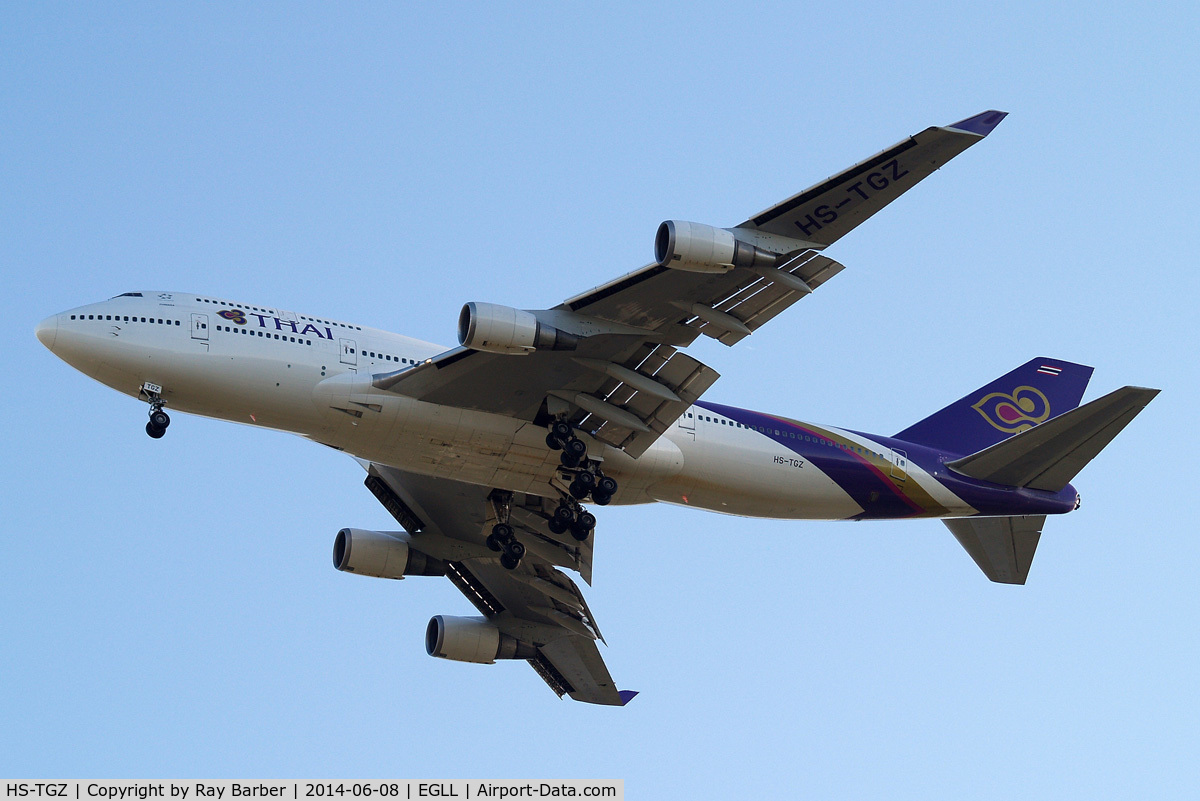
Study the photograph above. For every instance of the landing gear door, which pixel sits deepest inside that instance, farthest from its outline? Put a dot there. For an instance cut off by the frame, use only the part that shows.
(349, 352)
(200, 326)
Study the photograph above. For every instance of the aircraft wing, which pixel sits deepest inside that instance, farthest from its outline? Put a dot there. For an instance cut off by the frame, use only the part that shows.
(536, 603)
(627, 381)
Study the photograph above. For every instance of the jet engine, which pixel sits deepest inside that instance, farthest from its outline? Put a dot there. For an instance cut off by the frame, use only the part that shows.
(374, 553)
(703, 249)
(472, 639)
(501, 329)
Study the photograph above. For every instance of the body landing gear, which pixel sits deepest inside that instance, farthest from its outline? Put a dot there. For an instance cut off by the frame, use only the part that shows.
(159, 420)
(570, 516)
(587, 478)
(582, 478)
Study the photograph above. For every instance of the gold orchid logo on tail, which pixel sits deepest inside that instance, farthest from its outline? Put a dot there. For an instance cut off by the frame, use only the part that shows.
(1012, 414)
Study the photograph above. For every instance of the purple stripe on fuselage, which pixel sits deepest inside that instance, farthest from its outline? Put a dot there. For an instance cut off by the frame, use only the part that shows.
(876, 492)
(864, 482)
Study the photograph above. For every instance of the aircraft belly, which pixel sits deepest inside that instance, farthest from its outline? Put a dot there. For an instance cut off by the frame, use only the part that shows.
(466, 445)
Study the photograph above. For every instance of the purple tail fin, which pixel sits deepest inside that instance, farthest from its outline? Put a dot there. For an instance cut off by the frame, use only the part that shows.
(1031, 394)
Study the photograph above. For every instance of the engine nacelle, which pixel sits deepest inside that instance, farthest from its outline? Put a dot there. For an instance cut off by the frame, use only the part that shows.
(501, 329)
(703, 249)
(374, 553)
(472, 639)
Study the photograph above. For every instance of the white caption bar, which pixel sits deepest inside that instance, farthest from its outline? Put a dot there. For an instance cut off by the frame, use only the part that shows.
(199, 790)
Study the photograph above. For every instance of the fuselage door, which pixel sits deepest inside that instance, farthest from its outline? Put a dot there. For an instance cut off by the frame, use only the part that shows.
(899, 465)
(200, 326)
(349, 352)
(687, 421)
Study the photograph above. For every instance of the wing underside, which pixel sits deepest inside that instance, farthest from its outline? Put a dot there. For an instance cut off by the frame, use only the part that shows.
(536, 603)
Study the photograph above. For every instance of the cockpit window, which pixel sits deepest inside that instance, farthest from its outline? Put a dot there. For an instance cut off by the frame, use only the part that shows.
(130, 295)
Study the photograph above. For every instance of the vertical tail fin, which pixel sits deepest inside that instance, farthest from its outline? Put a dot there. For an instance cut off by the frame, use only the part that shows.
(1031, 394)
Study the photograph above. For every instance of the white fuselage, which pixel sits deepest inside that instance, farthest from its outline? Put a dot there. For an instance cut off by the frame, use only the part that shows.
(312, 376)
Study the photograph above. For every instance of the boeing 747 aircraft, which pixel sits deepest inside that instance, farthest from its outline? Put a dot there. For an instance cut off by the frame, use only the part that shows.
(489, 454)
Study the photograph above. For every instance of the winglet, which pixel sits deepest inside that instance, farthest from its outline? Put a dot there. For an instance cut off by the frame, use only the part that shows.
(626, 696)
(981, 124)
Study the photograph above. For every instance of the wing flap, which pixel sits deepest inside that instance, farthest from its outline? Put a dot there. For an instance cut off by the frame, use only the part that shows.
(757, 302)
(686, 377)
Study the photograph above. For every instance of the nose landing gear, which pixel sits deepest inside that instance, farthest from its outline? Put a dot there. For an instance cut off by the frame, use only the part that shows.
(159, 420)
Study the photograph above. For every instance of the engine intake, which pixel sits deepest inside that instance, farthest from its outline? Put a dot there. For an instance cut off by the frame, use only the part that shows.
(501, 329)
(472, 639)
(704, 249)
(374, 553)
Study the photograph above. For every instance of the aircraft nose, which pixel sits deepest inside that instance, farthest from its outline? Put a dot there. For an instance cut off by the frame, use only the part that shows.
(47, 331)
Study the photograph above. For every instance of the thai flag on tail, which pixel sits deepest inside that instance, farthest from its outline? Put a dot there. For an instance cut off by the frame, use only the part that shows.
(1046, 369)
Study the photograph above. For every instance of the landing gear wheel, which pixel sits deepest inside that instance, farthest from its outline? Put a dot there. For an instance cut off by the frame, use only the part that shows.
(582, 528)
(564, 514)
(575, 448)
(154, 432)
(515, 550)
(568, 460)
(509, 562)
(578, 491)
(552, 443)
(556, 526)
(159, 419)
(586, 479)
(600, 499)
(561, 430)
(607, 486)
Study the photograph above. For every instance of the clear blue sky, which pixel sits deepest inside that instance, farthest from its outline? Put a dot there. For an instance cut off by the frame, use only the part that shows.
(168, 608)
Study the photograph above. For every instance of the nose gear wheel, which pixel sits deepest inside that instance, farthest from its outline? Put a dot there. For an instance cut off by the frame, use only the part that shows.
(159, 420)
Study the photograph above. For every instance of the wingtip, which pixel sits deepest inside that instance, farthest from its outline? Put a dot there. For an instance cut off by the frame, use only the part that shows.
(981, 124)
(626, 696)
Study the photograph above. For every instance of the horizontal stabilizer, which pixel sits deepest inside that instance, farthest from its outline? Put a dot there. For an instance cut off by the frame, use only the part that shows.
(1047, 456)
(1002, 546)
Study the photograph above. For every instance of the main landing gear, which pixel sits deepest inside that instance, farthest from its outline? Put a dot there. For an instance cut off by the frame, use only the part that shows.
(580, 479)
(503, 539)
(587, 478)
(570, 516)
(157, 426)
